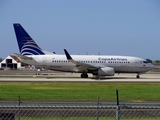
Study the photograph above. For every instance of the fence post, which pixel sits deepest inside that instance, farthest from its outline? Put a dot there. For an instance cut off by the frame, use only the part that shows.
(117, 108)
(97, 109)
(19, 102)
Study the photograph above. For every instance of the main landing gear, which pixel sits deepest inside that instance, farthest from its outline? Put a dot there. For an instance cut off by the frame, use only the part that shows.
(84, 75)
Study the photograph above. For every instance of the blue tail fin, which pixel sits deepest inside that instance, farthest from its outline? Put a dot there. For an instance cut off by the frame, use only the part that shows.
(27, 46)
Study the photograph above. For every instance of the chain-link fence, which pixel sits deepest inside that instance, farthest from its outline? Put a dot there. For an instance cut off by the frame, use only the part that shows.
(77, 111)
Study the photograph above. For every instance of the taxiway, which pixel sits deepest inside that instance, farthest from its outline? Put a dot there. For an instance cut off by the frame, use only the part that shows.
(75, 77)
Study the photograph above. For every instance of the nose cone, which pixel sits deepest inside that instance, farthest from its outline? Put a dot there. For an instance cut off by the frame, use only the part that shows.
(152, 66)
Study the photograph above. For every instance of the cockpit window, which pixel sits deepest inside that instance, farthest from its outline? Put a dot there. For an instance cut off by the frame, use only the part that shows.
(145, 62)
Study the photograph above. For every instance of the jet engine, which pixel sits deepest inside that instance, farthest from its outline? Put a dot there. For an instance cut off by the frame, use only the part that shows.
(106, 71)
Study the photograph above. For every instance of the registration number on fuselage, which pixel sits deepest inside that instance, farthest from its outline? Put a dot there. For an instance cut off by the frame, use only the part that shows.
(55, 66)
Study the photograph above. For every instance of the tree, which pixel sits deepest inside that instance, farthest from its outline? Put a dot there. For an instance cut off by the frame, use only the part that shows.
(149, 60)
(1, 59)
(157, 61)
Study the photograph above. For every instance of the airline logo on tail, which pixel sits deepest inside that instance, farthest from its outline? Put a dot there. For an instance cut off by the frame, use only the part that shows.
(27, 46)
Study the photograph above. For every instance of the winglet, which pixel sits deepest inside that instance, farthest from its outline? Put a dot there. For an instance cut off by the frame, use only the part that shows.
(67, 55)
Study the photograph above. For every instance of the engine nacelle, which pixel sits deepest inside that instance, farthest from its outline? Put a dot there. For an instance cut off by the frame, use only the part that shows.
(106, 71)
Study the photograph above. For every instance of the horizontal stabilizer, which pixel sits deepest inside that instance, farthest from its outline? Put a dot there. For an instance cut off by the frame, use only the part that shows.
(22, 57)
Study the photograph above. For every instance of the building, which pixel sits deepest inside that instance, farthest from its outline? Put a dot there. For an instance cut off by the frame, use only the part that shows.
(11, 62)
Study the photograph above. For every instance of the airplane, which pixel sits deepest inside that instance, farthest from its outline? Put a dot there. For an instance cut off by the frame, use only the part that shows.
(98, 65)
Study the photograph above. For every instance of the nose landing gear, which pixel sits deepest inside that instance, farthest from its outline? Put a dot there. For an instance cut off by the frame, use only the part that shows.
(138, 76)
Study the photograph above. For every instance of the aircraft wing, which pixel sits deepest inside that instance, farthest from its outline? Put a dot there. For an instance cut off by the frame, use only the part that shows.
(80, 66)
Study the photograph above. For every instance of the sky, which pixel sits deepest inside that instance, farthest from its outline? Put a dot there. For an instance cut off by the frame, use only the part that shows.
(106, 27)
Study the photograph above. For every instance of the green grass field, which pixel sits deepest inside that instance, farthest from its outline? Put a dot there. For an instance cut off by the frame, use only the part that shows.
(79, 91)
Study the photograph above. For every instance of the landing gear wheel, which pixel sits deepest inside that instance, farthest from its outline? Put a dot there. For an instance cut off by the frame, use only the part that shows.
(138, 76)
(84, 75)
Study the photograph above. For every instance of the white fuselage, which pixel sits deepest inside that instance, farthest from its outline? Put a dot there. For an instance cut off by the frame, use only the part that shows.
(121, 64)
(98, 65)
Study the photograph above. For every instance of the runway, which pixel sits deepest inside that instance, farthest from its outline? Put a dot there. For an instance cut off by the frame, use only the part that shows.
(68, 77)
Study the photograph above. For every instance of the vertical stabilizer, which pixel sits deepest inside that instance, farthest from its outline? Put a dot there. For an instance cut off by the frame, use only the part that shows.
(27, 46)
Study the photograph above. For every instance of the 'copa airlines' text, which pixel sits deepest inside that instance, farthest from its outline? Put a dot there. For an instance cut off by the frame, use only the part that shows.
(115, 59)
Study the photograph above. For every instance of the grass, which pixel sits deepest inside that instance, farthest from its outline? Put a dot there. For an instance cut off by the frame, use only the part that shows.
(73, 91)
